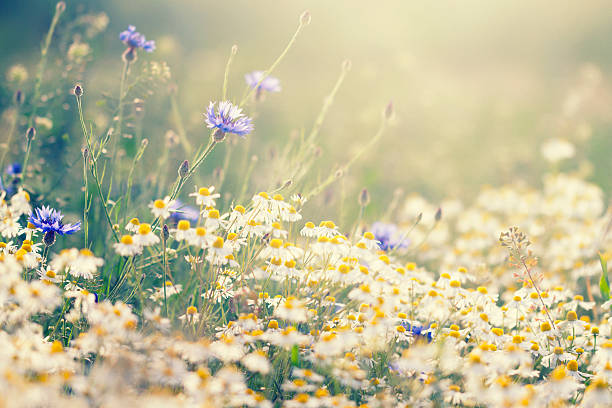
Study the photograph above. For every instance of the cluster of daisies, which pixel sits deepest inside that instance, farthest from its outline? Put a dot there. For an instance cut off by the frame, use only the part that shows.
(275, 311)
(503, 302)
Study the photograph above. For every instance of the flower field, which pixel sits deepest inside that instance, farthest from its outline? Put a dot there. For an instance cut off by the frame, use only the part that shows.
(141, 267)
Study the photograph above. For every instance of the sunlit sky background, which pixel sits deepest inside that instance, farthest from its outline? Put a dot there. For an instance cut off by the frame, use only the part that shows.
(477, 85)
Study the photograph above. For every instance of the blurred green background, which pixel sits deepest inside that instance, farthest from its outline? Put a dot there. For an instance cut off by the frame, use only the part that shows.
(477, 86)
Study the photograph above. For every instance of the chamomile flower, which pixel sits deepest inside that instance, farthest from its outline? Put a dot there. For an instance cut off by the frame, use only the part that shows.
(132, 225)
(206, 196)
(199, 237)
(183, 230)
(145, 236)
(85, 264)
(161, 208)
(127, 246)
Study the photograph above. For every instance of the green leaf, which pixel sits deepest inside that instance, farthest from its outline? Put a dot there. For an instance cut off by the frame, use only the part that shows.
(604, 282)
(295, 356)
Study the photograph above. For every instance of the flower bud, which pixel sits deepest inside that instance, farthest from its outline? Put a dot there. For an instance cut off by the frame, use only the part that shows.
(183, 169)
(389, 111)
(49, 238)
(139, 107)
(18, 97)
(129, 55)
(218, 135)
(364, 198)
(165, 232)
(346, 65)
(78, 90)
(30, 134)
(438, 215)
(305, 18)
(60, 7)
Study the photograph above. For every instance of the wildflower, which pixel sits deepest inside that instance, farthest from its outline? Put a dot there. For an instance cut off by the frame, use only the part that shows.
(133, 39)
(256, 362)
(205, 196)
(145, 235)
(554, 150)
(14, 169)
(388, 236)
(161, 208)
(50, 222)
(180, 211)
(227, 119)
(267, 83)
(132, 225)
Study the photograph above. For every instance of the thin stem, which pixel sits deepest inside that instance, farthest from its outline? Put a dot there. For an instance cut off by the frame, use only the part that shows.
(42, 64)
(227, 69)
(9, 138)
(178, 121)
(165, 262)
(273, 66)
(342, 170)
(93, 168)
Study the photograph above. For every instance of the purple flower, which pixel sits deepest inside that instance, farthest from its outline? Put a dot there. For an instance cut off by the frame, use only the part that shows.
(14, 169)
(228, 119)
(48, 220)
(418, 331)
(180, 211)
(270, 84)
(133, 39)
(388, 236)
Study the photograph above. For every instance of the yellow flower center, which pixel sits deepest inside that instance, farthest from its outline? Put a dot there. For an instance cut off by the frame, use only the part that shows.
(127, 240)
(144, 229)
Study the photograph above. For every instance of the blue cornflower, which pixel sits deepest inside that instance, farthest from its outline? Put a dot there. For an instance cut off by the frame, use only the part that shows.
(227, 119)
(270, 84)
(418, 332)
(388, 236)
(133, 39)
(14, 169)
(180, 211)
(49, 220)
